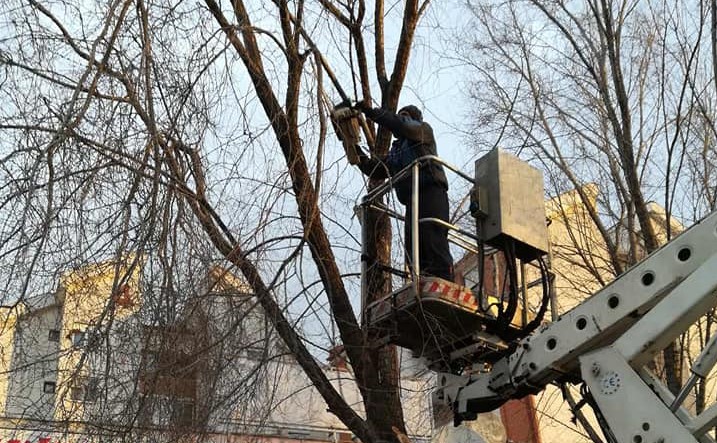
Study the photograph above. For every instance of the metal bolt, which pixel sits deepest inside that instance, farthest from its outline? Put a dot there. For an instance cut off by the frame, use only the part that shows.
(595, 369)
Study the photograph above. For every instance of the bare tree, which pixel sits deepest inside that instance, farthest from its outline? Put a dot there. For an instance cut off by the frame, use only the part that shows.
(195, 133)
(618, 94)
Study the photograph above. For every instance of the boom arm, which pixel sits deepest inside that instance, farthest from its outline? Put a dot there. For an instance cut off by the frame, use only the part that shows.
(607, 340)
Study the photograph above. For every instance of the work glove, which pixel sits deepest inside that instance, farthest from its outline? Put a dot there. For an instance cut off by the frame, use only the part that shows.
(362, 105)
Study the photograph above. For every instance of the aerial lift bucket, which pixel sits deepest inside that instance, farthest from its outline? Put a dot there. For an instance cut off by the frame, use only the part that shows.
(453, 326)
(439, 320)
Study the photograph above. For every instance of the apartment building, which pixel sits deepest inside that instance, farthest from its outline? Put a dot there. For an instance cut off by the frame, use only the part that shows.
(88, 363)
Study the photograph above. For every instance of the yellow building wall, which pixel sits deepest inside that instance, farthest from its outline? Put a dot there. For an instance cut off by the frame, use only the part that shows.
(581, 266)
(8, 320)
(91, 298)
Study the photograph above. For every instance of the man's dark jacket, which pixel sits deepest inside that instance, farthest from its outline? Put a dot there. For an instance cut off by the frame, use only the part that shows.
(414, 139)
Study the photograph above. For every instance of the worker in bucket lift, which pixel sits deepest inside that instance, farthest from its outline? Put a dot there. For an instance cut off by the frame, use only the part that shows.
(414, 139)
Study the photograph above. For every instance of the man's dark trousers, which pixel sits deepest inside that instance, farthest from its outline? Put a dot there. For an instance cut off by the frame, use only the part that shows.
(433, 252)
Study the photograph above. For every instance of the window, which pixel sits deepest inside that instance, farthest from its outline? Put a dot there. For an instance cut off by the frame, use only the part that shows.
(77, 338)
(255, 353)
(183, 412)
(85, 389)
(48, 387)
(147, 414)
(150, 361)
(54, 335)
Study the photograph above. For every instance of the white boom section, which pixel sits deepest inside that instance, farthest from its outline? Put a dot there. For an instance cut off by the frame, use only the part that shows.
(605, 342)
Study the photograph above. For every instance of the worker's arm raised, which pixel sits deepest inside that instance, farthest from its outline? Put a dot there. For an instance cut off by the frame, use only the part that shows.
(401, 126)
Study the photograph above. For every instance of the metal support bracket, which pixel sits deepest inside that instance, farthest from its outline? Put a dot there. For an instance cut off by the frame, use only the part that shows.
(634, 413)
(627, 322)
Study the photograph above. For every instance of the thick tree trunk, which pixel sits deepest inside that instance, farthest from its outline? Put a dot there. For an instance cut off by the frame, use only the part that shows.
(383, 404)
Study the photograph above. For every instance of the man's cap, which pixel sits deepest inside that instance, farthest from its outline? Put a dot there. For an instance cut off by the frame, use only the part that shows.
(413, 111)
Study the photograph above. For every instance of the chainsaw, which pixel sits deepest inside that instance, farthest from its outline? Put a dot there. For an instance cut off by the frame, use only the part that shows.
(345, 120)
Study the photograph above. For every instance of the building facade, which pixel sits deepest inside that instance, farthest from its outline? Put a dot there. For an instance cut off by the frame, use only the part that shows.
(88, 363)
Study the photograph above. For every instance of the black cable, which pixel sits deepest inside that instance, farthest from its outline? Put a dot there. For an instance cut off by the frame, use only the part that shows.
(481, 275)
(507, 316)
(607, 432)
(544, 276)
(498, 303)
